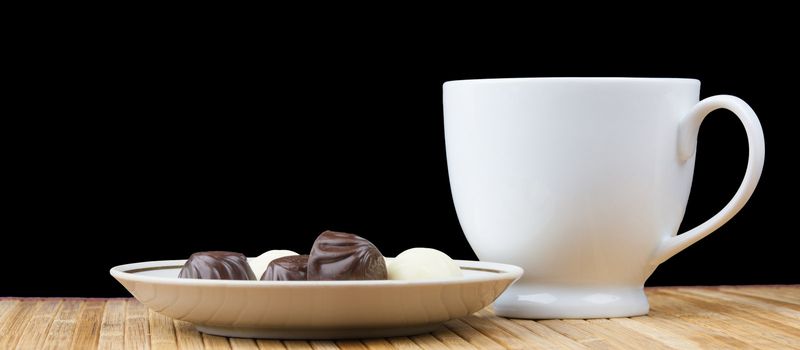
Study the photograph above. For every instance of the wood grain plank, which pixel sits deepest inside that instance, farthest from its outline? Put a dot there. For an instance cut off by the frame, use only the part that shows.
(734, 327)
(378, 344)
(578, 334)
(428, 342)
(496, 333)
(213, 342)
(472, 335)
(744, 303)
(785, 294)
(788, 290)
(666, 315)
(297, 345)
(664, 336)
(270, 344)
(87, 329)
(625, 337)
(15, 321)
(617, 337)
(535, 335)
(62, 331)
(6, 305)
(243, 344)
(709, 338)
(403, 343)
(38, 324)
(187, 336)
(546, 336)
(779, 300)
(323, 345)
(350, 345)
(748, 318)
(783, 304)
(451, 340)
(726, 317)
(112, 327)
(162, 332)
(137, 326)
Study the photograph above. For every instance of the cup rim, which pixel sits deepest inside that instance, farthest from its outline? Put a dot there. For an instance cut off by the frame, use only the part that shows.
(573, 79)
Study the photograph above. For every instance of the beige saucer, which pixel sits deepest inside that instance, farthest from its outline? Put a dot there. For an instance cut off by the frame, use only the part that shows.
(314, 309)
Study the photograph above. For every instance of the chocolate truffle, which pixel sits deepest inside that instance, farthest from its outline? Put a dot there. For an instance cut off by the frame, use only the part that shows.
(344, 256)
(217, 266)
(422, 264)
(259, 264)
(287, 268)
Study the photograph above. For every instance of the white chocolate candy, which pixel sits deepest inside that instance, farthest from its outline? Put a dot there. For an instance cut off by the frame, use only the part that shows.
(260, 263)
(422, 264)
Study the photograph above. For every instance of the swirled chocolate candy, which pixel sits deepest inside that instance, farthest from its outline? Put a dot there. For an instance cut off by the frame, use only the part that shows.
(344, 256)
(287, 268)
(217, 266)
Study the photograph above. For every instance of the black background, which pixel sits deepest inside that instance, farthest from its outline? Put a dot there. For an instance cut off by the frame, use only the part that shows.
(136, 149)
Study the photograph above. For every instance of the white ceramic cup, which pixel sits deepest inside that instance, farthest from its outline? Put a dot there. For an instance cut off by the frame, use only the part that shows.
(582, 182)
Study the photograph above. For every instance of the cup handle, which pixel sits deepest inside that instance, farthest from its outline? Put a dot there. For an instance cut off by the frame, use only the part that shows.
(687, 142)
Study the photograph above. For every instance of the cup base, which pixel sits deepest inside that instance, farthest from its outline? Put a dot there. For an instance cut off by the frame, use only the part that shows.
(534, 301)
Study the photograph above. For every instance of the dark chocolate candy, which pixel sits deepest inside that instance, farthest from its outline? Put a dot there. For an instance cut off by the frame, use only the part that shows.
(287, 268)
(344, 256)
(217, 266)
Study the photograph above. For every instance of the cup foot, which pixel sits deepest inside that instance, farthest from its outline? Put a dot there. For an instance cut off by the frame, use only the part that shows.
(534, 301)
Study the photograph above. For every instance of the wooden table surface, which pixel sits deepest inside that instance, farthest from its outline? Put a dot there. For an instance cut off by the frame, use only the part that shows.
(763, 317)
